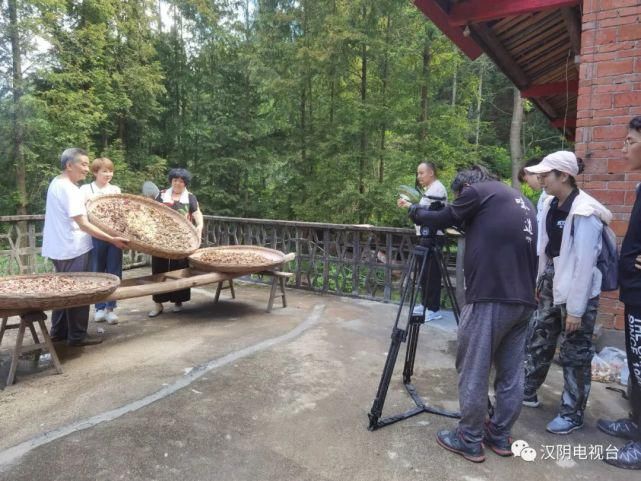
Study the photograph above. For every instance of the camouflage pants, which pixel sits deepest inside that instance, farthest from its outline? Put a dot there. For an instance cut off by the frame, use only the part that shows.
(546, 326)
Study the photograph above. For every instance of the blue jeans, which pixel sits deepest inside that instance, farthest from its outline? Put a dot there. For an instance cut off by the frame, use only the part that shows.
(106, 258)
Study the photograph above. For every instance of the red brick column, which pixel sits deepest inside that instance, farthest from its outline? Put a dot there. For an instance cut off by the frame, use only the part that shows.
(609, 96)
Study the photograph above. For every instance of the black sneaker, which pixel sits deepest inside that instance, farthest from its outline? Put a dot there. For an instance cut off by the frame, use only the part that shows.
(628, 457)
(621, 428)
(453, 441)
(501, 444)
(531, 400)
(87, 341)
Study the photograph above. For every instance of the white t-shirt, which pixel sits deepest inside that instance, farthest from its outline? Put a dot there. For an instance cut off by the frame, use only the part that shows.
(62, 238)
(89, 191)
(435, 191)
(540, 204)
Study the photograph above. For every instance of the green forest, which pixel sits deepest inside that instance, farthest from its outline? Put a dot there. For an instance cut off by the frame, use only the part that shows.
(312, 110)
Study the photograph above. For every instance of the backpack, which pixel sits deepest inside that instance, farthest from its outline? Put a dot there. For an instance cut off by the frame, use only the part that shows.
(608, 260)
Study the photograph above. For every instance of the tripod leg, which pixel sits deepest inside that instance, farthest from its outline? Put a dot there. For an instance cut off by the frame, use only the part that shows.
(447, 282)
(410, 354)
(415, 321)
(398, 336)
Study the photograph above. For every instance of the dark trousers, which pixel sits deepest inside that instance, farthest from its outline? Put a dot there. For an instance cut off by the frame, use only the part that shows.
(107, 258)
(577, 349)
(71, 324)
(160, 265)
(431, 279)
(490, 333)
(633, 348)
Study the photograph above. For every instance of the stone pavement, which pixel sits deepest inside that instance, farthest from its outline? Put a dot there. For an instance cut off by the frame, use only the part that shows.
(229, 392)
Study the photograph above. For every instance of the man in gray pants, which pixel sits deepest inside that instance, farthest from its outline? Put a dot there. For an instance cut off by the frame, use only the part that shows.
(66, 240)
(500, 271)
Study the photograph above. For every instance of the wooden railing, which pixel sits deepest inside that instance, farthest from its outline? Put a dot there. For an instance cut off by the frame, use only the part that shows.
(21, 244)
(351, 260)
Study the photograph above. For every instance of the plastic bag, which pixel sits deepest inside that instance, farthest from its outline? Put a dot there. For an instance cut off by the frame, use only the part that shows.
(625, 375)
(616, 358)
(601, 370)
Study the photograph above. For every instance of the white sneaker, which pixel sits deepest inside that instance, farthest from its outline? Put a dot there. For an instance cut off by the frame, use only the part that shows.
(419, 310)
(432, 316)
(177, 307)
(156, 311)
(99, 316)
(112, 318)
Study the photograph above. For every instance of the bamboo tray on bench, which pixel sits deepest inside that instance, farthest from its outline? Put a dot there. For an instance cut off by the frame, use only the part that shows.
(230, 259)
(49, 290)
(150, 226)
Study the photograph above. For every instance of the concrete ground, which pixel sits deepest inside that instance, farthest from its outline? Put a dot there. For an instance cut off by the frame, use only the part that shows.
(229, 392)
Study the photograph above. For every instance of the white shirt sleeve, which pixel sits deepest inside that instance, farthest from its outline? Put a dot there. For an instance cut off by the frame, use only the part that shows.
(437, 189)
(74, 201)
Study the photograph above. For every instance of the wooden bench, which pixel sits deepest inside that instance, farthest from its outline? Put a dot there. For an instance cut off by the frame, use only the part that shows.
(277, 289)
(27, 321)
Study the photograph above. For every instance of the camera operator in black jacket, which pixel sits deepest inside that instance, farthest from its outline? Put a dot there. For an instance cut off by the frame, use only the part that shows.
(500, 271)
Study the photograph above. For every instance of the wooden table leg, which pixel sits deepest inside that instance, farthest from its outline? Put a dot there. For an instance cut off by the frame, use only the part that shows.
(272, 294)
(16, 352)
(3, 328)
(281, 281)
(50, 346)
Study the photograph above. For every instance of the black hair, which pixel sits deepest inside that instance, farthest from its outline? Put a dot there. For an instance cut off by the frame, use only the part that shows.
(528, 163)
(180, 173)
(473, 175)
(635, 124)
(571, 179)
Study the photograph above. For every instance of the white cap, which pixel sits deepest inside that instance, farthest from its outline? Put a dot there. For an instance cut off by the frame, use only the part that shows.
(563, 161)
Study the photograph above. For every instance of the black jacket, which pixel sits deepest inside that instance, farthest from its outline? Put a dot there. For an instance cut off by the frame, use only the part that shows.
(501, 232)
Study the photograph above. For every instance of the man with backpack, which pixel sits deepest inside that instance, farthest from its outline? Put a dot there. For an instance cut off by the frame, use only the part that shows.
(568, 287)
(629, 456)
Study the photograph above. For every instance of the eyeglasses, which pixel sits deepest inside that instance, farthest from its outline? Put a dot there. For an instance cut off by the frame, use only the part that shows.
(627, 143)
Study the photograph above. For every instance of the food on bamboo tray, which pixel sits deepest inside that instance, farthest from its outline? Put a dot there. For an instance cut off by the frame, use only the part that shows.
(47, 291)
(237, 259)
(150, 226)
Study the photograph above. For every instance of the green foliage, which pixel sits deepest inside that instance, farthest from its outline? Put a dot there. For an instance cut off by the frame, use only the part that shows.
(306, 110)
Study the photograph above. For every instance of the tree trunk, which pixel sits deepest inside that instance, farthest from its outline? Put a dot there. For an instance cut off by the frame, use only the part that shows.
(303, 127)
(427, 55)
(364, 134)
(363, 147)
(385, 79)
(515, 137)
(454, 82)
(17, 117)
(479, 104)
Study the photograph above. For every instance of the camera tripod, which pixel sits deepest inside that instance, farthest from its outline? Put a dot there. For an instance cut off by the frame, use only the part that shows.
(418, 263)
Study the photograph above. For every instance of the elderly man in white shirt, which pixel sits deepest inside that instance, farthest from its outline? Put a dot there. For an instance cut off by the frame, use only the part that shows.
(67, 241)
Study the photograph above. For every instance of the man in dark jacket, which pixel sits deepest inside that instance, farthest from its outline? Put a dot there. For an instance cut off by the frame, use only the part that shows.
(500, 271)
(629, 456)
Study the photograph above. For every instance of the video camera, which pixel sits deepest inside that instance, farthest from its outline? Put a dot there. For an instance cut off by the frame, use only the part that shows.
(436, 204)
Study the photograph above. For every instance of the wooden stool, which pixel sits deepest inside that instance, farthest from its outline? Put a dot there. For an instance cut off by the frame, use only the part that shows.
(26, 321)
(278, 280)
(220, 288)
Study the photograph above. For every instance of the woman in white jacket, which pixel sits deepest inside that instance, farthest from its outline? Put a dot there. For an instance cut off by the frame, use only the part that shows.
(568, 288)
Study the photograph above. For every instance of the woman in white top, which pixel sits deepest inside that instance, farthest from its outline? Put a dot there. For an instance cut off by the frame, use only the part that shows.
(434, 198)
(105, 256)
(533, 181)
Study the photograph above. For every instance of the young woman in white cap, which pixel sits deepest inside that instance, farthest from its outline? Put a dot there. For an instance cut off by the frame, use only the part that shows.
(568, 288)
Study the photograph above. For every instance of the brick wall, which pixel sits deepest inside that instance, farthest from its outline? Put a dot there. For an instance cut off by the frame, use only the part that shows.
(609, 96)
